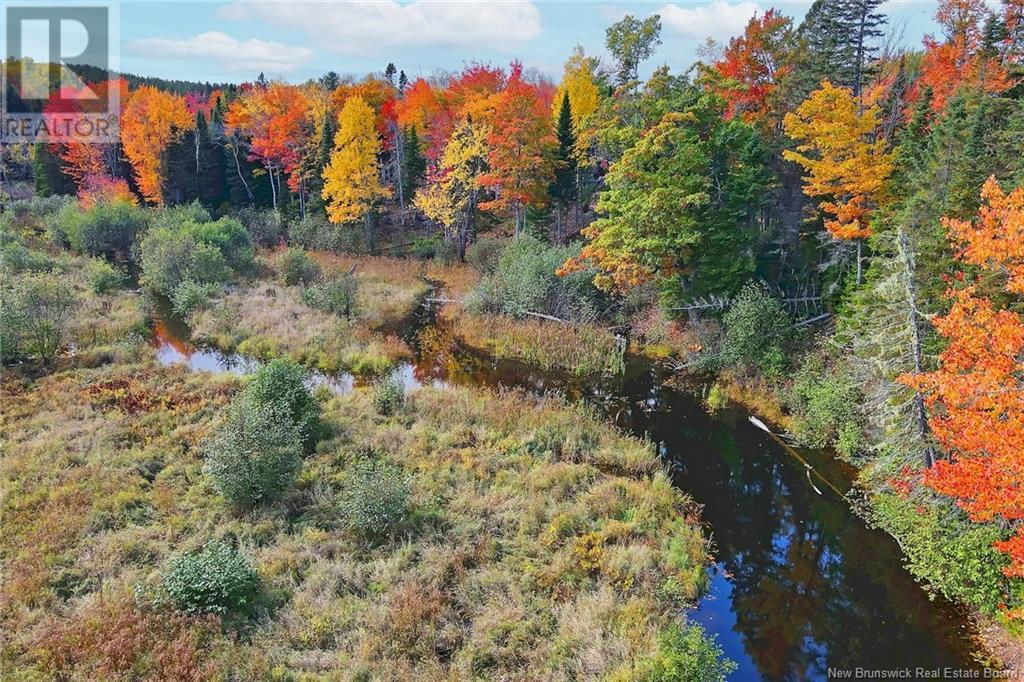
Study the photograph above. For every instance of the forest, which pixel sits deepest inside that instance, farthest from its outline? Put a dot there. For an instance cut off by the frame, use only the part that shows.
(312, 380)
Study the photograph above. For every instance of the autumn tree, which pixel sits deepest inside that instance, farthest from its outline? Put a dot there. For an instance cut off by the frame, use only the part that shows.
(976, 396)
(753, 64)
(352, 186)
(94, 167)
(151, 120)
(962, 56)
(452, 193)
(843, 161)
(275, 119)
(580, 84)
(519, 161)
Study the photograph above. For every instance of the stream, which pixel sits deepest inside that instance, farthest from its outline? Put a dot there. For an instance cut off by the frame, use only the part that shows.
(800, 583)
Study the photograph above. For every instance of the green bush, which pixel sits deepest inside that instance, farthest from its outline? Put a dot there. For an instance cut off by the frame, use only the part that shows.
(424, 248)
(757, 330)
(107, 229)
(824, 404)
(686, 654)
(228, 236)
(375, 498)
(35, 310)
(170, 257)
(316, 233)
(483, 254)
(15, 257)
(335, 295)
(217, 579)
(296, 267)
(174, 217)
(190, 296)
(388, 395)
(524, 280)
(281, 382)
(104, 277)
(255, 454)
(950, 553)
(264, 226)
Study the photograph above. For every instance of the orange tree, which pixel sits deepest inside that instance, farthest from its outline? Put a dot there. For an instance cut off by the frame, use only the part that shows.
(976, 396)
(151, 120)
(845, 162)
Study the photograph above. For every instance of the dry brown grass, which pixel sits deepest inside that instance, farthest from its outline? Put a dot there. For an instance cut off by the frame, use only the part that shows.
(267, 320)
(541, 544)
(577, 348)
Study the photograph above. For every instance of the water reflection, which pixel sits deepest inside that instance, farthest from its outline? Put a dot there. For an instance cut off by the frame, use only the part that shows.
(800, 583)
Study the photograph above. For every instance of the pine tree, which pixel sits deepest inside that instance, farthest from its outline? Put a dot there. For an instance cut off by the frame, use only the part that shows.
(415, 162)
(563, 189)
(210, 173)
(865, 24)
(50, 180)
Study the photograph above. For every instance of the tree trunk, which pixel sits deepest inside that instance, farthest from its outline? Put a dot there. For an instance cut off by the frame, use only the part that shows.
(920, 412)
(860, 263)
(273, 187)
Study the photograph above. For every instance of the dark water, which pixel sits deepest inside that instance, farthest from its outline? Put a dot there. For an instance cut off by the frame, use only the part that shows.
(800, 584)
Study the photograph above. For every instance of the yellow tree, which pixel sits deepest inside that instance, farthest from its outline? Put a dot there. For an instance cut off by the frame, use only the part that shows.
(844, 160)
(578, 81)
(152, 119)
(352, 186)
(451, 196)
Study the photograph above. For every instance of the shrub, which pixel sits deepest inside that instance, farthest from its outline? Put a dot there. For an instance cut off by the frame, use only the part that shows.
(15, 257)
(335, 295)
(281, 382)
(524, 280)
(375, 499)
(227, 235)
(190, 296)
(169, 257)
(825, 404)
(317, 233)
(174, 217)
(296, 267)
(756, 331)
(425, 248)
(255, 454)
(483, 254)
(35, 310)
(107, 229)
(388, 395)
(217, 579)
(264, 226)
(104, 277)
(686, 654)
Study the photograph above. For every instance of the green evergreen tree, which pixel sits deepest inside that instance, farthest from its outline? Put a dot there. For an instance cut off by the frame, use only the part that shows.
(563, 187)
(415, 162)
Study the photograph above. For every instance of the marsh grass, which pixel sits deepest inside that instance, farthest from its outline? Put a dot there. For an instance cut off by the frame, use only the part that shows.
(268, 320)
(582, 349)
(539, 542)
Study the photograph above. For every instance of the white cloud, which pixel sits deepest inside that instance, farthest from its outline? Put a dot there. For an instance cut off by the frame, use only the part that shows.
(373, 26)
(720, 19)
(233, 55)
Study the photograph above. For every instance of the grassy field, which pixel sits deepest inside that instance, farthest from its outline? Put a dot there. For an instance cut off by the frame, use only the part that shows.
(539, 543)
(266, 320)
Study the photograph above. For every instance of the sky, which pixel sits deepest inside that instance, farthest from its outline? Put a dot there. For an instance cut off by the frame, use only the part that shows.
(235, 41)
